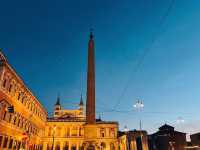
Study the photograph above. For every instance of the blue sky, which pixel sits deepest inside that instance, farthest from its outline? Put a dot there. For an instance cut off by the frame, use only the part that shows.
(46, 42)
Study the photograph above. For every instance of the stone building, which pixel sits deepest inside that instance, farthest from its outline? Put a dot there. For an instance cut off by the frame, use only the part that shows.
(73, 129)
(24, 127)
(133, 140)
(195, 141)
(167, 139)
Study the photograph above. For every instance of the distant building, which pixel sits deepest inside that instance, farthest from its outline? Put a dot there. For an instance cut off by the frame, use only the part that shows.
(167, 139)
(195, 139)
(195, 142)
(133, 140)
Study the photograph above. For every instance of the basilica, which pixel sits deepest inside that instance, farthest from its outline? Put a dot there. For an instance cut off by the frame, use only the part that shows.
(25, 124)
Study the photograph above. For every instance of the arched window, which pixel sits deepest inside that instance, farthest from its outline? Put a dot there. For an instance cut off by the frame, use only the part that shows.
(4, 83)
(74, 131)
(112, 132)
(80, 131)
(14, 120)
(49, 131)
(67, 131)
(57, 146)
(19, 95)
(10, 88)
(58, 131)
(102, 132)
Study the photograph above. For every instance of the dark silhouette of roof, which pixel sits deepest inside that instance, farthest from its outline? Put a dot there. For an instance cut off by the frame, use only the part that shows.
(166, 127)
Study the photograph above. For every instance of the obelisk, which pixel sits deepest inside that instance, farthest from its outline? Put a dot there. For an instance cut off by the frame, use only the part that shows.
(90, 103)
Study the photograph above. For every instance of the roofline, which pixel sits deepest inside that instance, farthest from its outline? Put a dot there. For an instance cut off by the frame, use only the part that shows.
(6, 64)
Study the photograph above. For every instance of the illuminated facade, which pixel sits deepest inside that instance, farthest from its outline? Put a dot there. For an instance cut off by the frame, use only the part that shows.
(24, 127)
(66, 130)
(75, 130)
(28, 126)
(133, 140)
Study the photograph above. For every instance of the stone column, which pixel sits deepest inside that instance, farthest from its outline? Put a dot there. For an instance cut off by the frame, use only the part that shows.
(61, 145)
(70, 133)
(77, 146)
(2, 111)
(69, 144)
(8, 143)
(144, 142)
(107, 133)
(133, 144)
(107, 145)
(3, 138)
(78, 129)
(44, 146)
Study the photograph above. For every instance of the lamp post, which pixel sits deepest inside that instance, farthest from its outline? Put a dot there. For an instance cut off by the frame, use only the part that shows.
(54, 128)
(139, 106)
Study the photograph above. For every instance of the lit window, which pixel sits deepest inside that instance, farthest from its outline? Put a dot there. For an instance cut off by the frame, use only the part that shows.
(5, 142)
(102, 132)
(19, 95)
(11, 143)
(1, 140)
(10, 88)
(4, 83)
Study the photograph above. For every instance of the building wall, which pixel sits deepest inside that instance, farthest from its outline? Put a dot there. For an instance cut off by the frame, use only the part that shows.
(167, 141)
(195, 139)
(73, 135)
(29, 117)
(129, 141)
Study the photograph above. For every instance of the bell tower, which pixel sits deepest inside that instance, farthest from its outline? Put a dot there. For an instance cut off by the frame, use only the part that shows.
(57, 107)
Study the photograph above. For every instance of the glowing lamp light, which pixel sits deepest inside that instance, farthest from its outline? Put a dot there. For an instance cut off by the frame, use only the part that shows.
(138, 105)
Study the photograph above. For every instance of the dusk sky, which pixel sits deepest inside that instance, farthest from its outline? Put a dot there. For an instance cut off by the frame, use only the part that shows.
(45, 41)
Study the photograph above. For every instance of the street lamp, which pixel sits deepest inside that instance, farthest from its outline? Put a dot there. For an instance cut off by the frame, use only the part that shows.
(54, 128)
(139, 106)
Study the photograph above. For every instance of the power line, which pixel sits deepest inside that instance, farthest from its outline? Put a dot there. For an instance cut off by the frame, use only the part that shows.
(146, 50)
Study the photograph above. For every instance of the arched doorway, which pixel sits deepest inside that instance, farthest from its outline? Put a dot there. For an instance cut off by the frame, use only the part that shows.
(49, 146)
(91, 147)
(57, 146)
(73, 147)
(103, 146)
(66, 146)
